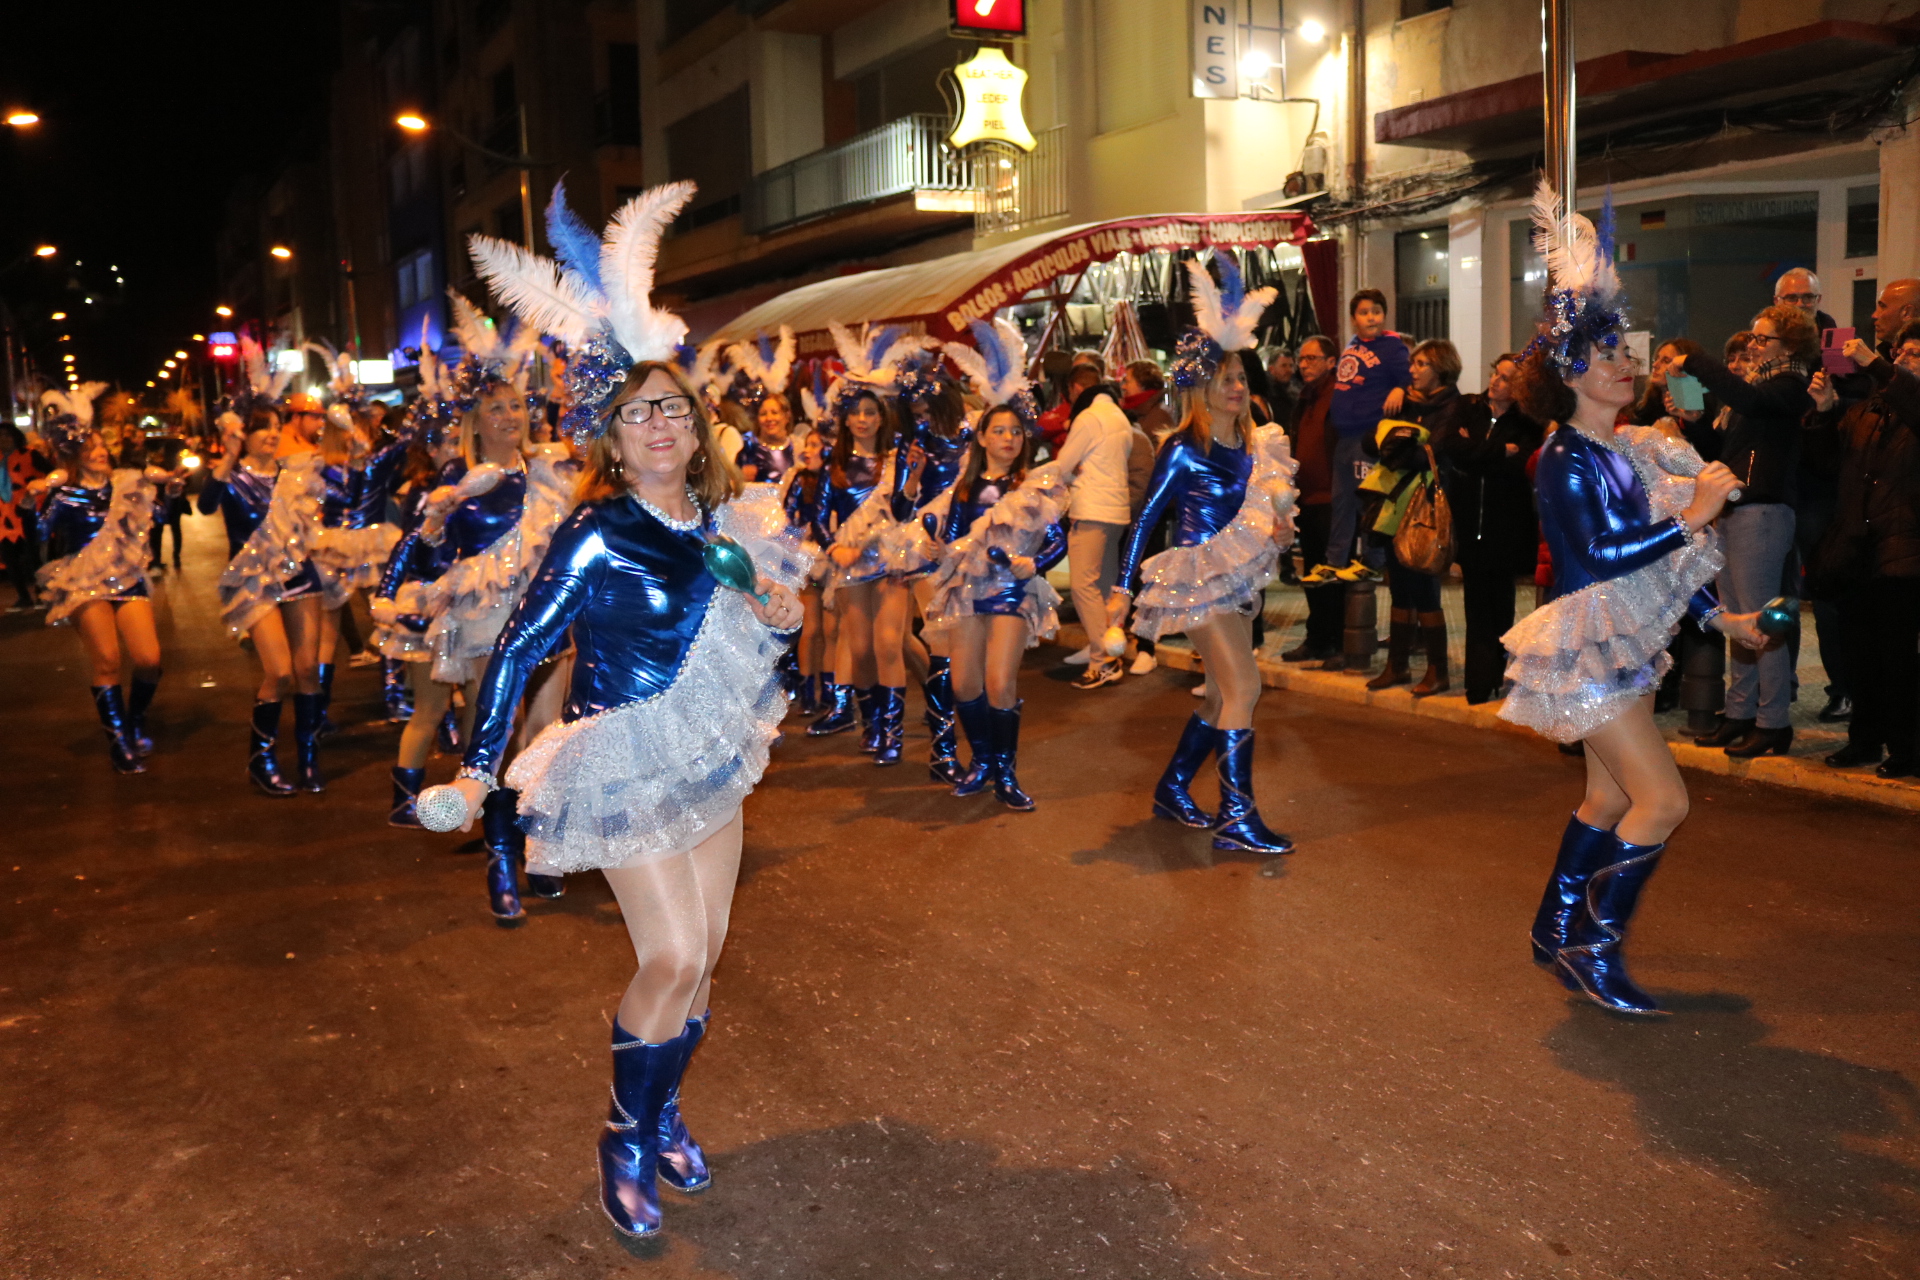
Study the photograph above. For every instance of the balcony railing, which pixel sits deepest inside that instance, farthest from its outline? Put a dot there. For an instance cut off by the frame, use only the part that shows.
(1014, 189)
(905, 155)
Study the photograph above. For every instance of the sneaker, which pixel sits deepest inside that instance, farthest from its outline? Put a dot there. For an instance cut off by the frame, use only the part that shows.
(1319, 576)
(364, 658)
(1357, 572)
(1082, 658)
(1200, 690)
(26, 606)
(1099, 673)
(1143, 662)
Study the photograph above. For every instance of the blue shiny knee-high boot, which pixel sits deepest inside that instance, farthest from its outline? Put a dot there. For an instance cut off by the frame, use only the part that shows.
(976, 721)
(1583, 851)
(683, 1165)
(1172, 798)
(503, 857)
(643, 1079)
(1005, 723)
(840, 715)
(395, 691)
(890, 711)
(306, 742)
(869, 700)
(327, 726)
(111, 706)
(944, 761)
(515, 838)
(1592, 956)
(262, 768)
(810, 695)
(406, 793)
(1238, 824)
(139, 698)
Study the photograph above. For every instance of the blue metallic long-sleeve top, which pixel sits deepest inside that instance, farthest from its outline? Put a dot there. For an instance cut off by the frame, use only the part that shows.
(342, 489)
(944, 456)
(862, 474)
(634, 593)
(1205, 491)
(376, 482)
(981, 496)
(770, 463)
(71, 517)
(809, 515)
(1596, 519)
(477, 523)
(241, 499)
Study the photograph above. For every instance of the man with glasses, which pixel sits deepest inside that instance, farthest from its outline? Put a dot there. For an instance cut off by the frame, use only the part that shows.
(1800, 289)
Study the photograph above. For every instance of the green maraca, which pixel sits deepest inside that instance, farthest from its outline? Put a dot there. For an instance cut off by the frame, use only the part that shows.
(731, 566)
(1779, 616)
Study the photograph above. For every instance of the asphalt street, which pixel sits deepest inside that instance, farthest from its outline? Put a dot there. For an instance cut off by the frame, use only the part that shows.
(243, 1037)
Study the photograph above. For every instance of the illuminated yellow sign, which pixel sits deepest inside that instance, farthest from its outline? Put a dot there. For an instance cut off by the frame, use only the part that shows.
(990, 89)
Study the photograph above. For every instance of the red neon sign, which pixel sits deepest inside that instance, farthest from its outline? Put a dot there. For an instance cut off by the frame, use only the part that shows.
(997, 18)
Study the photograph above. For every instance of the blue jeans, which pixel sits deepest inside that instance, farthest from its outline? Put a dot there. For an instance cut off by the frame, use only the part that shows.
(1349, 467)
(1758, 538)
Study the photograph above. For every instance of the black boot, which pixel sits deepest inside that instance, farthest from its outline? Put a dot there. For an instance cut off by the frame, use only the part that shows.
(1592, 956)
(497, 832)
(1173, 797)
(644, 1076)
(1729, 732)
(262, 768)
(306, 742)
(944, 762)
(139, 698)
(1005, 722)
(1399, 651)
(1238, 824)
(1763, 742)
(1583, 851)
(111, 705)
(406, 793)
(976, 722)
(327, 726)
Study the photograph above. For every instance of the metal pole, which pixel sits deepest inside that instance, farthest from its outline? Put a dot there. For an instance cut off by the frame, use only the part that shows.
(526, 183)
(1557, 76)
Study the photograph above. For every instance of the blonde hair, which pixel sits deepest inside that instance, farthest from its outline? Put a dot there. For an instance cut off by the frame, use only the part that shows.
(714, 480)
(470, 425)
(1196, 415)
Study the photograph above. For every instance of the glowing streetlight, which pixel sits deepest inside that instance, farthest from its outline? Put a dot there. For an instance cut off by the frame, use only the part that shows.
(223, 311)
(179, 355)
(59, 315)
(199, 337)
(411, 122)
(165, 374)
(170, 364)
(1312, 32)
(45, 251)
(281, 252)
(149, 381)
(22, 119)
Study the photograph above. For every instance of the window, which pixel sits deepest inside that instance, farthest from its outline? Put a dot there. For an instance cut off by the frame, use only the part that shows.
(413, 279)
(1863, 221)
(1421, 303)
(712, 146)
(617, 111)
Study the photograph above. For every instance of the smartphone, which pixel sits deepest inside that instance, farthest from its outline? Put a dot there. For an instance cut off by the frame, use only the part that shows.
(1687, 392)
(1833, 356)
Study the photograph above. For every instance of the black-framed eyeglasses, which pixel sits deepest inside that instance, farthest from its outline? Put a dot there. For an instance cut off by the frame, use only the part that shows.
(676, 409)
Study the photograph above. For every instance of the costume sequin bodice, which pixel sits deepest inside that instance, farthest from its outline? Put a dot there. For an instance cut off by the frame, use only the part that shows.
(71, 516)
(634, 592)
(1594, 514)
(1204, 491)
(477, 523)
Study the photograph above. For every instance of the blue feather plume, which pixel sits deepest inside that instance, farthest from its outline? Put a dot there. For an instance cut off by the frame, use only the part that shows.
(1233, 289)
(765, 343)
(988, 341)
(1603, 246)
(820, 382)
(877, 345)
(576, 246)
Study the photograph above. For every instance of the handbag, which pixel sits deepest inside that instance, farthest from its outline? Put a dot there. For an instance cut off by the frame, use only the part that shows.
(1424, 540)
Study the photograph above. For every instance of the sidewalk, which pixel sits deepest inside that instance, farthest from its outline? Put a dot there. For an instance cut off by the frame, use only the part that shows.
(1804, 770)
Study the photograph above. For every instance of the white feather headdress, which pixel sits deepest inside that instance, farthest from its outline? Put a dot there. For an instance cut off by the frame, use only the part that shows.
(875, 361)
(767, 363)
(1225, 317)
(595, 294)
(1586, 303)
(264, 385)
(997, 364)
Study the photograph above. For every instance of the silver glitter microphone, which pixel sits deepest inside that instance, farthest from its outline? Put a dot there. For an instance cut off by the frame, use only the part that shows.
(441, 808)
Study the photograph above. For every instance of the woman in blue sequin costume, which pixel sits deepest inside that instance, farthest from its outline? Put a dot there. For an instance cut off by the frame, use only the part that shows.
(674, 702)
(93, 521)
(1626, 514)
(803, 496)
(272, 590)
(1229, 487)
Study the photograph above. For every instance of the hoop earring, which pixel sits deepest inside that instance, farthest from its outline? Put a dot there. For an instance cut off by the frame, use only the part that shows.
(701, 458)
(615, 467)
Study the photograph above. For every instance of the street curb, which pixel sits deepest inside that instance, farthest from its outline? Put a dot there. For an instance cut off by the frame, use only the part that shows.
(1801, 773)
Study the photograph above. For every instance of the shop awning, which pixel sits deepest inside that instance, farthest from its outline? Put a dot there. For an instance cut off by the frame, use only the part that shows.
(941, 296)
(1634, 85)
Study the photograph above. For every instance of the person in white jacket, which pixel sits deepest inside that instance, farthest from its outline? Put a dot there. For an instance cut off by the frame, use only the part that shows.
(1094, 461)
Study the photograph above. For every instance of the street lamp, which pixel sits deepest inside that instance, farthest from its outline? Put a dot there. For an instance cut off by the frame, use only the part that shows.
(179, 355)
(223, 312)
(45, 251)
(1312, 32)
(281, 252)
(22, 119)
(414, 122)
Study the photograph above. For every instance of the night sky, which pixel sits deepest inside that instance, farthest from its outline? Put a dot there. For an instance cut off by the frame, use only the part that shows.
(150, 115)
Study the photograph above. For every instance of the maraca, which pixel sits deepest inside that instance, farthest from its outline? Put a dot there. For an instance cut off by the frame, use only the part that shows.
(1779, 616)
(1114, 641)
(731, 566)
